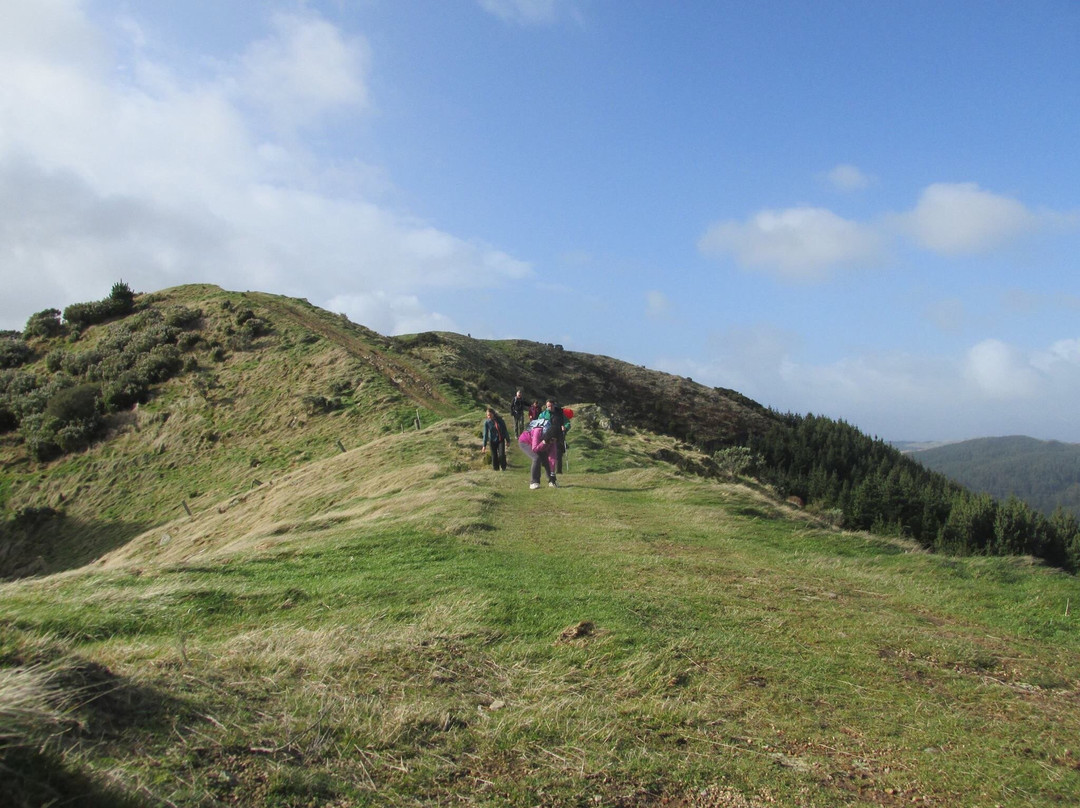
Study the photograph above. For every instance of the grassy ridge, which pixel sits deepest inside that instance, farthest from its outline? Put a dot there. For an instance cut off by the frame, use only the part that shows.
(241, 415)
(264, 384)
(423, 631)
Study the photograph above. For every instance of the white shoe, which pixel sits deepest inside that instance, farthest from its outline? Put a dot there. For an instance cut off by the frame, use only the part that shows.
(534, 486)
(553, 484)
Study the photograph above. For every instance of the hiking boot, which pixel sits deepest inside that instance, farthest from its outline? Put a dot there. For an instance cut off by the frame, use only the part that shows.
(534, 486)
(552, 483)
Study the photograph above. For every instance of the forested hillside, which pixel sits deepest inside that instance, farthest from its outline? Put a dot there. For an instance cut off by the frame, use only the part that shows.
(1044, 474)
(872, 486)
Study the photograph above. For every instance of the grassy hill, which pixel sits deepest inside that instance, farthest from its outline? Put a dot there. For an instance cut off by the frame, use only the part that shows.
(1044, 474)
(352, 611)
(263, 384)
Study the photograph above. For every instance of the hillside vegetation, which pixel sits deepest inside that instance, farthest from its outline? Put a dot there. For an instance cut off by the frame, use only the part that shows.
(1044, 474)
(267, 565)
(118, 414)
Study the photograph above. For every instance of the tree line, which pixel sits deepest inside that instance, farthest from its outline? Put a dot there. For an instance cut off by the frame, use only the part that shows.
(832, 465)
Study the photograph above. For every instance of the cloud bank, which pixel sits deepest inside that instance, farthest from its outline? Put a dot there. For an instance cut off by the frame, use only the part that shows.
(114, 165)
(991, 388)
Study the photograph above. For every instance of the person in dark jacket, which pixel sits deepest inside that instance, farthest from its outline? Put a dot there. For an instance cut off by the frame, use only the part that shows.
(495, 436)
(518, 408)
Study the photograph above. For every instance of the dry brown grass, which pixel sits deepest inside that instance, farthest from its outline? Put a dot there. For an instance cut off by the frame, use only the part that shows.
(26, 703)
(348, 490)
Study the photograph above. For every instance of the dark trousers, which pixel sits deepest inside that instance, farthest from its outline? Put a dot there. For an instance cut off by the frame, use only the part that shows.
(498, 455)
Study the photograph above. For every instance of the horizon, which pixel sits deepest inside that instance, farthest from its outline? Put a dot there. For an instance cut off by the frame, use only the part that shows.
(866, 212)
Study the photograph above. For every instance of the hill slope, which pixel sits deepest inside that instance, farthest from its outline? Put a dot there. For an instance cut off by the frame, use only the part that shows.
(1044, 474)
(390, 625)
(130, 410)
(257, 384)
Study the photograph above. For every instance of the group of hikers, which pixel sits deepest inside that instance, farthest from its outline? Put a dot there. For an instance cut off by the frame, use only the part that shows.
(542, 439)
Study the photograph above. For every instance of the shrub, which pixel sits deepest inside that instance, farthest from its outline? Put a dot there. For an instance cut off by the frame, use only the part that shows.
(160, 364)
(182, 317)
(14, 383)
(737, 461)
(189, 341)
(8, 419)
(119, 302)
(82, 363)
(123, 392)
(74, 403)
(26, 393)
(14, 352)
(69, 422)
(40, 441)
(44, 324)
(75, 435)
(54, 360)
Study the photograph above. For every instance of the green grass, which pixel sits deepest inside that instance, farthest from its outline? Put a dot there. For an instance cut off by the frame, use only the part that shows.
(637, 637)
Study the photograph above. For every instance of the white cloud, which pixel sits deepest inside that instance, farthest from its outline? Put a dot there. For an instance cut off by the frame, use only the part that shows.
(1063, 355)
(55, 29)
(802, 243)
(810, 244)
(1000, 370)
(657, 305)
(307, 68)
(846, 177)
(389, 314)
(149, 175)
(961, 218)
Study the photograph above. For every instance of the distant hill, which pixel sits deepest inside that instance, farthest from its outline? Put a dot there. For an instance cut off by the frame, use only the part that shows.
(1044, 474)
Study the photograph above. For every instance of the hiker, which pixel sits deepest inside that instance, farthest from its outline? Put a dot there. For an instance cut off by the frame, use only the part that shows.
(495, 435)
(538, 451)
(534, 410)
(555, 432)
(517, 409)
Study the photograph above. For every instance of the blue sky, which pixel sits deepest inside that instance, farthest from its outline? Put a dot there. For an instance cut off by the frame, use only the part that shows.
(866, 210)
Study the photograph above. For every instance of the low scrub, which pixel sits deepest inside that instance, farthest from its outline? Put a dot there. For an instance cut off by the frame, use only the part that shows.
(121, 301)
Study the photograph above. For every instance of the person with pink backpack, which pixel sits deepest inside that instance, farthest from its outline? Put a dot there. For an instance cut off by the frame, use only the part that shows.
(540, 452)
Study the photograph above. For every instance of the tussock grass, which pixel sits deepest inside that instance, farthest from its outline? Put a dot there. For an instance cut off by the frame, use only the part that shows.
(25, 708)
(396, 625)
